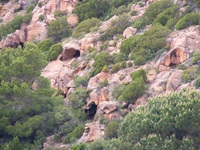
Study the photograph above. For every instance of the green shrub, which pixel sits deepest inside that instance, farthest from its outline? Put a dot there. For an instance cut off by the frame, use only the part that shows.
(139, 74)
(117, 27)
(58, 29)
(101, 60)
(59, 13)
(188, 20)
(118, 90)
(190, 74)
(133, 91)
(14, 24)
(80, 81)
(40, 4)
(41, 17)
(54, 52)
(196, 57)
(197, 83)
(156, 8)
(111, 129)
(182, 66)
(91, 8)
(116, 67)
(85, 26)
(30, 8)
(81, 146)
(118, 57)
(133, 13)
(130, 64)
(75, 134)
(45, 45)
(96, 145)
(104, 45)
(104, 83)
(166, 122)
(139, 60)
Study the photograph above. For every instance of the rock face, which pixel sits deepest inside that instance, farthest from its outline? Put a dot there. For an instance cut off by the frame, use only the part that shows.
(129, 32)
(59, 73)
(72, 19)
(92, 132)
(182, 44)
(70, 50)
(15, 39)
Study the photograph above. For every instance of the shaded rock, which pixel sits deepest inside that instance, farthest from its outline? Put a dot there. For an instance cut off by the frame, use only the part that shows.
(158, 86)
(174, 80)
(92, 132)
(97, 96)
(108, 109)
(89, 41)
(128, 32)
(183, 43)
(72, 19)
(59, 73)
(70, 50)
(96, 80)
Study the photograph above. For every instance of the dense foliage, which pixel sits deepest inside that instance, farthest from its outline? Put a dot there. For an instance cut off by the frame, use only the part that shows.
(58, 29)
(168, 122)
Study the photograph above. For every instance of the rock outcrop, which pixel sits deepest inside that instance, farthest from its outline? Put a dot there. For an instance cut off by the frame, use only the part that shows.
(182, 44)
(92, 132)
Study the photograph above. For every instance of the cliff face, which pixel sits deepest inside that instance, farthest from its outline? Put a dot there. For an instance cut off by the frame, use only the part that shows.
(163, 73)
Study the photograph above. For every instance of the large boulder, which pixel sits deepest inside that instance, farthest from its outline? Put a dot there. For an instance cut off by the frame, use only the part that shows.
(93, 131)
(128, 32)
(72, 19)
(96, 80)
(182, 43)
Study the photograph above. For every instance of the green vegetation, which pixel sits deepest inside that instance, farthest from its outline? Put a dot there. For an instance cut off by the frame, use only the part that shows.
(25, 112)
(139, 74)
(54, 52)
(85, 27)
(145, 45)
(188, 20)
(117, 27)
(191, 73)
(101, 60)
(41, 17)
(45, 45)
(111, 129)
(91, 9)
(58, 29)
(168, 122)
(14, 24)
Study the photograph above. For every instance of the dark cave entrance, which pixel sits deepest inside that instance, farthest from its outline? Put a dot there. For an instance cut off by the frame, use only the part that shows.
(91, 111)
(69, 54)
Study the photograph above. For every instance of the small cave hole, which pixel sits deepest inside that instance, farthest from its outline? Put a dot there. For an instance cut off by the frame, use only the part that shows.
(77, 54)
(91, 111)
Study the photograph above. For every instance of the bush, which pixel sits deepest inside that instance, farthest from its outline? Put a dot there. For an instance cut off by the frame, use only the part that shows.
(139, 60)
(75, 134)
(133, 13)
(116, 67)
(41, 17)
(188, 20)
(111, 129)
(40, 4)
(197, 83)
(58, 29)
(30, 8)
(190, 74)
(104, 45)
(117, 27)
(133, 91)
(59, 13)
(95, 145)
(196, 57)
(182, 66)
(81, 81)
(101, 60)
(14, 24)
(166, 122)
(118, 90)
(54, 52)
(45, 45)
(85, 26)
(81, 146)
(91, 9)
(104, 83)
(139, 74)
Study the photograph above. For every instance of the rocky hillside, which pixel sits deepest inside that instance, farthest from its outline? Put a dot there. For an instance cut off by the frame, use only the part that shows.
(103, 61)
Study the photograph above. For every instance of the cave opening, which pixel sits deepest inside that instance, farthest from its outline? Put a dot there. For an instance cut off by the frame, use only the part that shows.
(69, 54)
(91, 111)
